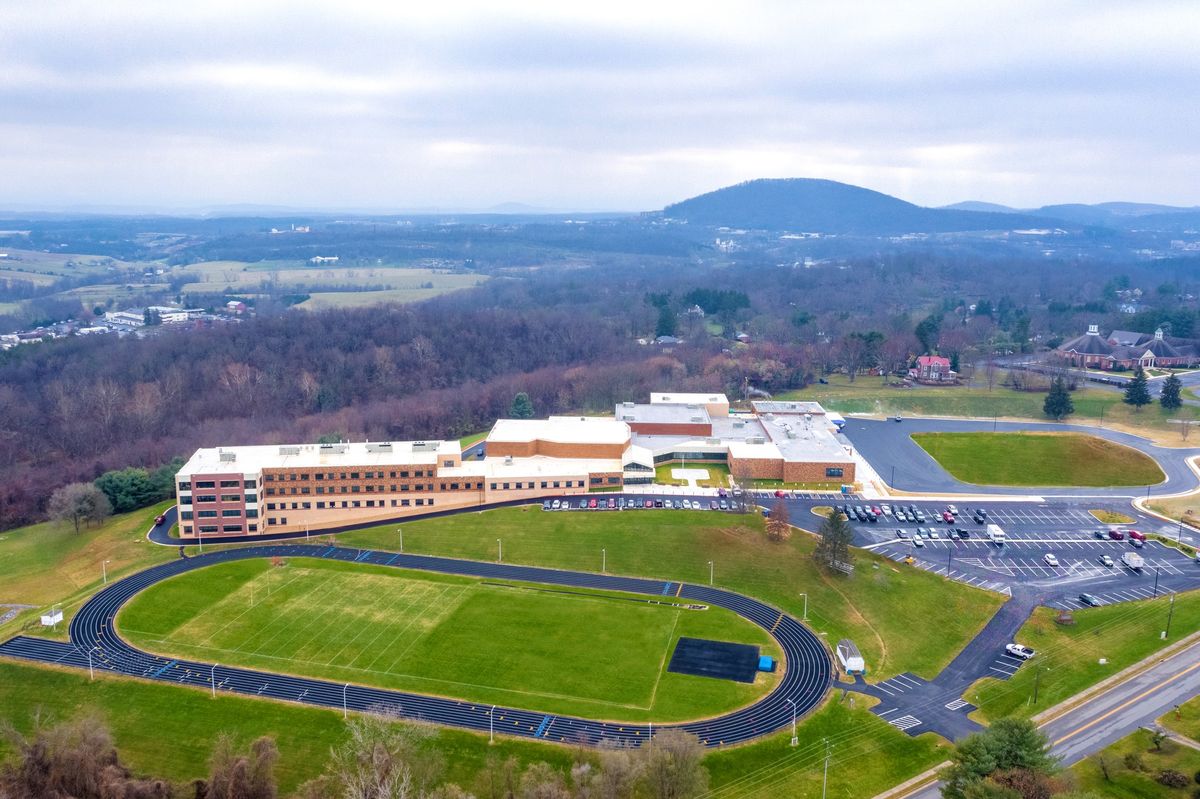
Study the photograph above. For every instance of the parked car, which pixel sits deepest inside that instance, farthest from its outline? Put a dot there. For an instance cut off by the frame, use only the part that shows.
(902, 534)
(724, 505)
(954, 536)
(592, 503)
(648, 503)
(1105, 560)
(982, 512)
(612, 503)
(713, 505)
(1019, 651)
(1089, 599)
(887, 509)
(953, 509)
(583, 503)
(1050, 559)
(545, 505)
(978, 519)
(658, 503)
(934, 534)
(898, 418)
(1137, 536)
(948, 517)
(1098, 534)
(918, 542)
(962, 532)
(556, 504)
(721, 492)
(1116, 535)
(779, 494)
(159, 519)
(1137, 543)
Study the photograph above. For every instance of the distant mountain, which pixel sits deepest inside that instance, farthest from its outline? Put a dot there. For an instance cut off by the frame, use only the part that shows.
(826, 206)
(976, 205)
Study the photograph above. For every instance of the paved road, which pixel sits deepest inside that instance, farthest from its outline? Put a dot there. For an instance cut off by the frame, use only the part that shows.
(1118, 711)
(889, 448)
(94, 642)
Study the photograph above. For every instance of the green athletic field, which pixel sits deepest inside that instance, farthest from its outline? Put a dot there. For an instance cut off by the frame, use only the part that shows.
(1039, 459)
(572, 651)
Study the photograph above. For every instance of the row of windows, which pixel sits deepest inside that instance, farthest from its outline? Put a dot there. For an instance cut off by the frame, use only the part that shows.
(833, 471)
(227, 528)
(531, 484)
(293, 477)
(205, 498)
(227, 513)
(353, 503)
(187, 486)
(374, 489)
(612, 481)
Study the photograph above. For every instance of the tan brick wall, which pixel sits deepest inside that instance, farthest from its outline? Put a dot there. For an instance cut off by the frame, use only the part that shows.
(815, 473)
(757, 468)
(554, 449)
(670, 429)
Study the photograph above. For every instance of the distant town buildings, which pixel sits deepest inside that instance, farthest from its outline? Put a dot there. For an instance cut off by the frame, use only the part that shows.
(323, 259)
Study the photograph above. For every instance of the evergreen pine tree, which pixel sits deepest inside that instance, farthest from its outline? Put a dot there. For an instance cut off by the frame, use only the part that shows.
(522, 407)
(1058, 403)
(1170, 399)
(1137, 393)
(834, 546)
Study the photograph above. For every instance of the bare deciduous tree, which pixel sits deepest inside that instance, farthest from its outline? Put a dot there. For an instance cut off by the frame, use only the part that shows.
(79, 502)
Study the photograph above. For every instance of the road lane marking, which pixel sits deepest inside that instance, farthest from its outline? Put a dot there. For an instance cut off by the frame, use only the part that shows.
(1127, 703)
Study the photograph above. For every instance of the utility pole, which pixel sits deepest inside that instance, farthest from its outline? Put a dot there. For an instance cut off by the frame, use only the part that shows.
(1156, 571)
(825, 777)
(1170, 613)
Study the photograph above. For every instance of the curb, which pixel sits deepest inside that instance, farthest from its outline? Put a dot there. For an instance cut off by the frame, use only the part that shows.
(922, 780)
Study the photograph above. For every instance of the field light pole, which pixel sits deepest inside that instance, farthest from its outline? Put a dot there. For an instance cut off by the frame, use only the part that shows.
(603, 560)
(345, 713)
(104, 571)
(795, 740)
(91, 671)
(805, 609)
(400, 532)
(1170, 613)
(499, 551)
(492, 725)
(710, 572)
(1156, 572)
(213, 679)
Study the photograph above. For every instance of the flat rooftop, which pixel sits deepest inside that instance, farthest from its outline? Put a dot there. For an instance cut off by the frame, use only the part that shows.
(251, 459)
(661, 414)
(536, 466)
(786, 407)
(685, 398)
(561, 429)
(801, 441)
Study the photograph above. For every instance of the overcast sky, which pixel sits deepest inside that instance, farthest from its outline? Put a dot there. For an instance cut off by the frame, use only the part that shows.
(610, 105)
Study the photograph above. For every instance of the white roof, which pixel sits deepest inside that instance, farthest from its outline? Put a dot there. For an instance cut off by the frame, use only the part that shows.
(537, 466)
(561, 429)
(682, 398)
(253, 459)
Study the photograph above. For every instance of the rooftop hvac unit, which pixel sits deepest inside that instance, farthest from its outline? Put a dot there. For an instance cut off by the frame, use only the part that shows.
(791, 433)
(712, 442)
(627, 418)
(379, 447)
(698, 419)
(692, 406)
(228, 457)
(756, 440)
(289, 450)
(334, 449)
(627, 404)
(739, 423)
(508, 461)
(424, 446)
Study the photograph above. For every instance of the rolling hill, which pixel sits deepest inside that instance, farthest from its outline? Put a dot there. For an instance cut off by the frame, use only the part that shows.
(826, 206)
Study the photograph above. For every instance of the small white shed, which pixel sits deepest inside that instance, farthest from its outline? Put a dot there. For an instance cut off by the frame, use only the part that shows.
(850, 658)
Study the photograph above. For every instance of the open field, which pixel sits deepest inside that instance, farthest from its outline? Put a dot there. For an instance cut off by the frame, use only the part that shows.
(1068, 655)
(1092, 405)
(1186, 508)
(718, 474)
(58, 264)
(1039, 459)
(1187, 722)
(1125, 783)
(678, 545)
(581, 652)
(169, 731)
(362, 285)
(48, 562)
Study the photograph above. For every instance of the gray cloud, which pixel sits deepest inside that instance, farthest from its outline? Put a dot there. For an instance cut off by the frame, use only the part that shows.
(623, 105)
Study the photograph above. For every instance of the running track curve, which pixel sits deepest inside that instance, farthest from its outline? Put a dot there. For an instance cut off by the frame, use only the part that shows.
(94, 642)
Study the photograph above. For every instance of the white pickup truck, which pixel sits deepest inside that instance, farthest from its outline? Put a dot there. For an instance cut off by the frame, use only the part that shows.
(1133, 561)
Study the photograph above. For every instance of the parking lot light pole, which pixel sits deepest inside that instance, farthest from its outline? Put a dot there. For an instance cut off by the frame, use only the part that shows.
(1156, 572)
(1170, 613)
(795, 740)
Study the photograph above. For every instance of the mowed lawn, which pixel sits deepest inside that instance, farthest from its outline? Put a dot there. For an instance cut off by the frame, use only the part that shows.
(901, 618)
(1069, 655)
(1039, 459)
(1126, 783)
(582, 652)
(1187, 721)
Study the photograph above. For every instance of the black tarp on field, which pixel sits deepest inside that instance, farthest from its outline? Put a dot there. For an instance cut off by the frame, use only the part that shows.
(719, 659)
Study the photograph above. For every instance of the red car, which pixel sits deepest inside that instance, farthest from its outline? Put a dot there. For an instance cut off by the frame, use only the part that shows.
(159, 519)
(591, 503)
(780, 494)
(1116, 535)
(948, 517)
(1135, 534)
(649, 503)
